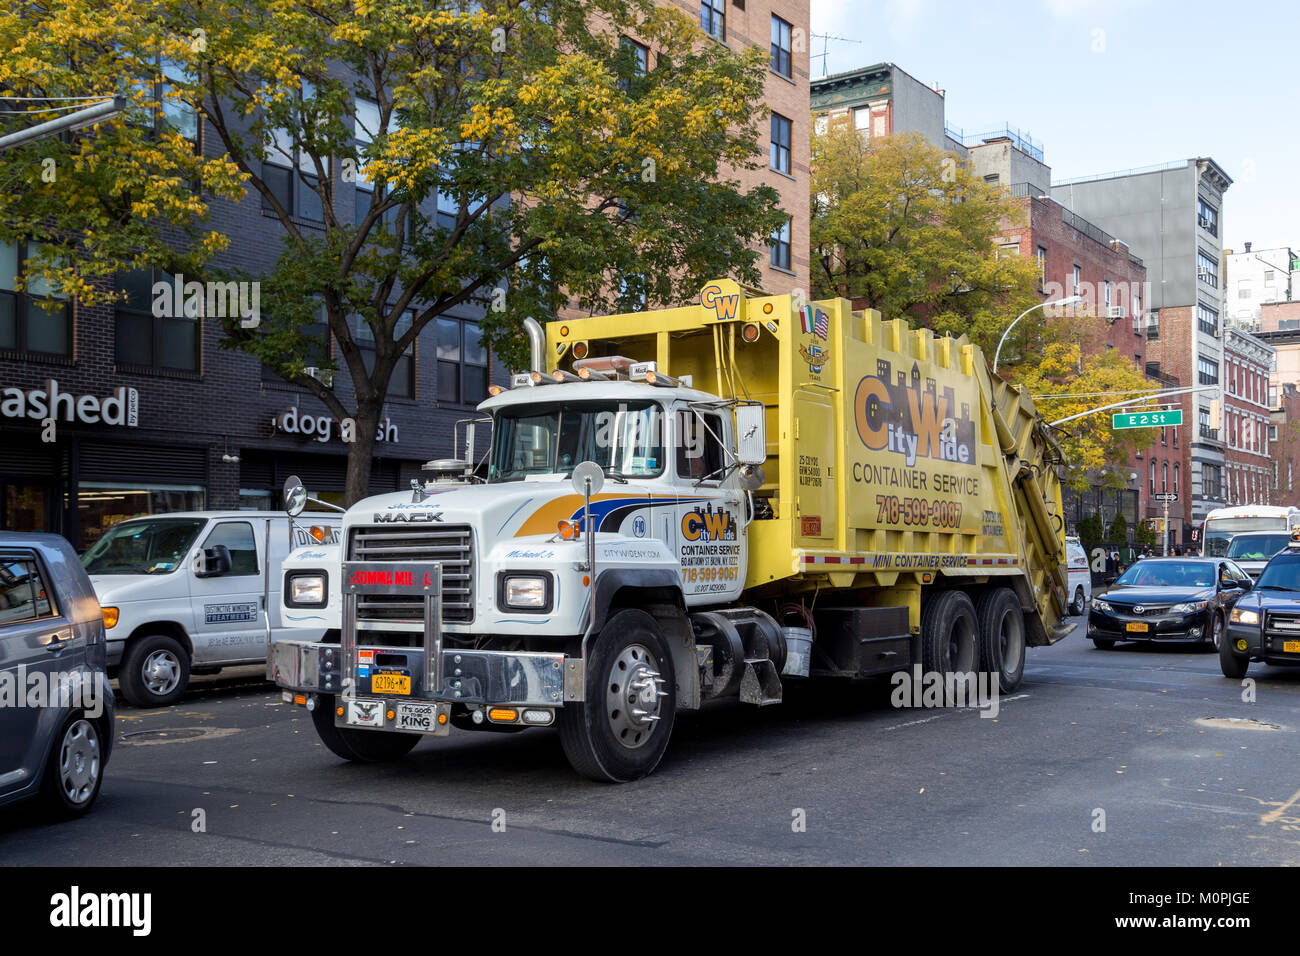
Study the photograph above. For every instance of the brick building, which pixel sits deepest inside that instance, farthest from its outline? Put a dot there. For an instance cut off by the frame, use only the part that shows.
(1284, 444)
(781, 27)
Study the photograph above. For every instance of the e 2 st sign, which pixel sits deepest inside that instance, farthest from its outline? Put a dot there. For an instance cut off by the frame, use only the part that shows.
(1147, 419)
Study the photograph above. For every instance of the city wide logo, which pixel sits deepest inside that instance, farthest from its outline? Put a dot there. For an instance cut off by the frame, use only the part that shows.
(912, 418)
(709, 524)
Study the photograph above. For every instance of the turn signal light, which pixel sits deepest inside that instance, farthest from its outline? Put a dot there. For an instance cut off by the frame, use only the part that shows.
(503, 715)
(110, 616)
(392, 715)
(442, 718)
(339, 711)
(300, 700)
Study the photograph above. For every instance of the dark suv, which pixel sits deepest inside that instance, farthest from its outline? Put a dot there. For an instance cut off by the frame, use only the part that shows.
(56, 709)
(1265, 624)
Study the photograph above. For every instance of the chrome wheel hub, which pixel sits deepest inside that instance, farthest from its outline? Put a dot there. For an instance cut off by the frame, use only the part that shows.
(632, 696)
(162, 672)
(79, 761)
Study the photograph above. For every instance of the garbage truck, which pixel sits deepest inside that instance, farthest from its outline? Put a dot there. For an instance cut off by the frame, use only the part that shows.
(714, 501)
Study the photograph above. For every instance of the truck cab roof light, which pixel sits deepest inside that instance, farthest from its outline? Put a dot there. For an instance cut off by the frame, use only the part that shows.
(604, 363)
(591, 375)
(559, 375)
(663, 381)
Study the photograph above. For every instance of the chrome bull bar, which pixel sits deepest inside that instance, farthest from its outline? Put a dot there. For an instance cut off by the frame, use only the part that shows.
(458, 675)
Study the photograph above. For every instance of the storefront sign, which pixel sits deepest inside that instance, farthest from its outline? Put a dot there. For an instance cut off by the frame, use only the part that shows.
(121, 408)
(322, 427)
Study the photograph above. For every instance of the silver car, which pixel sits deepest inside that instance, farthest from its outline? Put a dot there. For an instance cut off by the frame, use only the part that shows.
(56, 709)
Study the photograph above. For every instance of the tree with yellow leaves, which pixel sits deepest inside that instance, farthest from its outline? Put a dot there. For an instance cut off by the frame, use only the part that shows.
(509, 153)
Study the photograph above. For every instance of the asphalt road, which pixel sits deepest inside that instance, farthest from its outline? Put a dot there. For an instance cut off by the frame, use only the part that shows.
(1098, 759)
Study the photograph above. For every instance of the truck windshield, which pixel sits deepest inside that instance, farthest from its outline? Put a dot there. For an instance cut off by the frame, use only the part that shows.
(143, 547)
(626, 439)
(1219, 531)
(1256, 547)
(1281, 574)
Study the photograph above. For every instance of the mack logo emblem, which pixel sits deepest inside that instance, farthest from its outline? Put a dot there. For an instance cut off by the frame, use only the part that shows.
(384, 517)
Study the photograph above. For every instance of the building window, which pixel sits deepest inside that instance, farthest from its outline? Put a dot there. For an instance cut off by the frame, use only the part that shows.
(1164, 438)
(1211, 481)
(1078, 280)
(316, 346)
(1153, 476)
(1272, 396)
(713, 18)
(402, 383)
(1208, 372)
(1164, 477)
(782, 61)
(640, 54)
(1207, 319)
(37, 320)
(148, 340)
(1042, 266)
(781, 246)
(290, 173)
(782, 134)
(462, 363)
(1175, 477)
(1207, 217)
(1207, 270)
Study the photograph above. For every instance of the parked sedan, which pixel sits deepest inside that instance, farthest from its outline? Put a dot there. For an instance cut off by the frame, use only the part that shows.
(1168, 600)
(56, 709)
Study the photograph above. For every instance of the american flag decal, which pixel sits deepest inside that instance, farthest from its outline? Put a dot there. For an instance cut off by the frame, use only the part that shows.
(821, 325)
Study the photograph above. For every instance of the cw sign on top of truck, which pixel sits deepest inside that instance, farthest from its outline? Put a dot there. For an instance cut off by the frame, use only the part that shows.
(783, 494)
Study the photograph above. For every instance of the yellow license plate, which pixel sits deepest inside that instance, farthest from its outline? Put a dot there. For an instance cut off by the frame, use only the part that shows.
(390, 684)
(1135, 626)
(1291, 647)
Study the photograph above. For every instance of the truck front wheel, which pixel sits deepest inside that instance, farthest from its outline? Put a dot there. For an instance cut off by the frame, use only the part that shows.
(360, 746)
(1002, 637)
(620, 732)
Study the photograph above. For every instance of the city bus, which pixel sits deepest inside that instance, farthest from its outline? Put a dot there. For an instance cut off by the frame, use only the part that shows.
(1222, 523)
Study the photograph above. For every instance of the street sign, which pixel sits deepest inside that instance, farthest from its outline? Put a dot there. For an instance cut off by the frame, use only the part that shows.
(1147, 419)
(1166, 496)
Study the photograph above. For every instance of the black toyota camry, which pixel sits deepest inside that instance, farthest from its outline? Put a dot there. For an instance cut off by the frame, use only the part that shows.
(1168, 600)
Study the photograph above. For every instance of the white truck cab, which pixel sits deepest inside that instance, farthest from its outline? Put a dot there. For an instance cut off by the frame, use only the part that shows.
(193, 592)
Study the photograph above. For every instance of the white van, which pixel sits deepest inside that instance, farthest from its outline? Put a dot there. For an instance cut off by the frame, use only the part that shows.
(193, 592)
(1078, 574)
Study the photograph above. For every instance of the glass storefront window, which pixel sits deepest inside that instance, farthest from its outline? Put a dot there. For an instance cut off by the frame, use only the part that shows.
(103, 504)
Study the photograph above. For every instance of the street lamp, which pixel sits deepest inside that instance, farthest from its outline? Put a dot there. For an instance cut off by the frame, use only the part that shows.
(1069, 300)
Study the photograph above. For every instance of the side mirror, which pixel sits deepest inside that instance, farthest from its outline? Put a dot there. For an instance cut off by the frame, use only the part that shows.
(213, 562)
(295, 496)
(751, 434)
(1248, 584)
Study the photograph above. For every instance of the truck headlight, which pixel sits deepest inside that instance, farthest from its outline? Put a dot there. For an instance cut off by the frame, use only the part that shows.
(306, 588)
(525, 592)
(1241, 616)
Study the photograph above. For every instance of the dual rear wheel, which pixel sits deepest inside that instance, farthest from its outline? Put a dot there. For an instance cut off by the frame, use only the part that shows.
(960, 636)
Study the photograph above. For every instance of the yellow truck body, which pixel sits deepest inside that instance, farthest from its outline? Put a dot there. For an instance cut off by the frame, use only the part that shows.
(896, 461)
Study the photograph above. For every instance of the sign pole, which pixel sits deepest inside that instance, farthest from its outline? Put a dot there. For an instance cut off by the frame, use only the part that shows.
(1166, 528)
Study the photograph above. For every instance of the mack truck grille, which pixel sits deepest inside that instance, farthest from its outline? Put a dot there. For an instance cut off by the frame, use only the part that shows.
(452, 546)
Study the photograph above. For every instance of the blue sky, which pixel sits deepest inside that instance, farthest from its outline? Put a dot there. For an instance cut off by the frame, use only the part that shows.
(1107, 85)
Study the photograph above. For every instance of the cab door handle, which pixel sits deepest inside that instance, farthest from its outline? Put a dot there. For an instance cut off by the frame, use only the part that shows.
(55, 643)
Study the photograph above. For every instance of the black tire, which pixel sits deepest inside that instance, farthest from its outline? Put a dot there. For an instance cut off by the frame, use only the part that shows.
(1076, 606)
(1216, 632)
(1002, 637)
(74, 770)
(949, 636)
(359, 746)
(1232, 665)
(1103, 644)
(155, 671)
(602, 738)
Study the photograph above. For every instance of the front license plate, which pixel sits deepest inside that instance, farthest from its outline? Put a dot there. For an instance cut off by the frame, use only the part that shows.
(390, 684)
(1291, 647)
(1135, 626)
(365, 713)
(420, 718)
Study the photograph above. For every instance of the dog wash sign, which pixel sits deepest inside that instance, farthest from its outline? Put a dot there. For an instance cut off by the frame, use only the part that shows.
(121, 408)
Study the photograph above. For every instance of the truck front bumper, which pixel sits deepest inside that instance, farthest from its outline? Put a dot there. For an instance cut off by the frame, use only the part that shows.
(486, 678)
